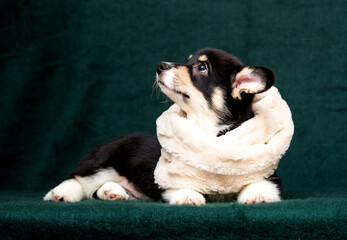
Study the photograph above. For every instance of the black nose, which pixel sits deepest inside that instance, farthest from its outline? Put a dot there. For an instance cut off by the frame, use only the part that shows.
(162, 67)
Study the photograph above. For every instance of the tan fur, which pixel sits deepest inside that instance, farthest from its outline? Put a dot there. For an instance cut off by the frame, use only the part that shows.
(218, 99)
(182, 75)
(203, 58)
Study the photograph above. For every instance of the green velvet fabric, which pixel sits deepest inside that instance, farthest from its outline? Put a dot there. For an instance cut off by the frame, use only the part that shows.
(313, 216)
(75, 73)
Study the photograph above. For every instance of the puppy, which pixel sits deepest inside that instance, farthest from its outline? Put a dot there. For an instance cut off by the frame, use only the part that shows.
(213, 89)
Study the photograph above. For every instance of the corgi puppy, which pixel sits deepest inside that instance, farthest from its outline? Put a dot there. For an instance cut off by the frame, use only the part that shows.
(215, 90)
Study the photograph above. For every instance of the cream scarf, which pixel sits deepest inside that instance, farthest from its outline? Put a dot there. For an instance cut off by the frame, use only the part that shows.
(192, 159)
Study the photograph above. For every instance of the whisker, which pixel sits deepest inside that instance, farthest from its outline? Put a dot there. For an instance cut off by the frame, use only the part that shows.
(166, 100)
(155, 89)
(158, 93)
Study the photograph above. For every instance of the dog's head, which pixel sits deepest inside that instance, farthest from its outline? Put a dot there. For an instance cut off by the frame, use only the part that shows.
(214, 82)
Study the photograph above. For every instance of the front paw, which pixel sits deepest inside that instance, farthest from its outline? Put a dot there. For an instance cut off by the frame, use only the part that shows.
(264, 191)
(68, 191)
(183, 197)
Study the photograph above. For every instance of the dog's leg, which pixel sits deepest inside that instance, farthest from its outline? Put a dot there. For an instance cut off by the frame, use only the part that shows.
(112, 191)
(183, 197)
(263, 191)
(68, 191)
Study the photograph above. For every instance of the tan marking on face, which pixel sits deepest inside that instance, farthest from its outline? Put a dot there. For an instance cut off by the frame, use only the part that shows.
(190, 56)
(182, 75)
(202, 58)
(196, 108)
(218, 99)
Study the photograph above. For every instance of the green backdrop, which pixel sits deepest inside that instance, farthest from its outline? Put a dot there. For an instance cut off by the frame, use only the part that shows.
(77, 73)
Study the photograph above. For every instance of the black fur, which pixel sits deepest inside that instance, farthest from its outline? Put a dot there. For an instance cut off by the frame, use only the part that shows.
(222, 68)
(134, 156)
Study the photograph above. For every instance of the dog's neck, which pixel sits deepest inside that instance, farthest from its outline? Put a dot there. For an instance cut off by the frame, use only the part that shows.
(218, 123)
(207, 121)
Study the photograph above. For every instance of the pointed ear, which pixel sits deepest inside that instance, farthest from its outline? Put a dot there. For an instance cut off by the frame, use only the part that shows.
(251, 80)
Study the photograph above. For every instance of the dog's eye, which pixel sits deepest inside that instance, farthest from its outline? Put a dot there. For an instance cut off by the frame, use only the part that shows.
(202, 67)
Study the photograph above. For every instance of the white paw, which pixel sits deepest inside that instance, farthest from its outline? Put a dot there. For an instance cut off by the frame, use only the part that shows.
(112, 191)
(183, 197)
(264, 191)
(68, 191)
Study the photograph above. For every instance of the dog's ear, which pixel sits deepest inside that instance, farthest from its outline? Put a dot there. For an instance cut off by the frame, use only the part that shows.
(251, 80)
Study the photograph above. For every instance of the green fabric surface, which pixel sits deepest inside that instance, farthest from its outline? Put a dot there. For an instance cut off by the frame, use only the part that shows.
(314, 216)
(75, 73)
